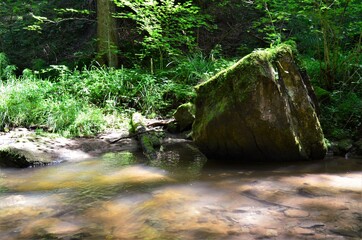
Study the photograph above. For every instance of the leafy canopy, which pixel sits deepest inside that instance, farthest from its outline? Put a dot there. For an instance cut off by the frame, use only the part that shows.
(167, 26)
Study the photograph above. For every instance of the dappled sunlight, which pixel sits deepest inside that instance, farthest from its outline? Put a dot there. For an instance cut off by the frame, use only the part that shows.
(164, 212)
(82, 175)
(134, 174)
(21, 211)
(52, 226)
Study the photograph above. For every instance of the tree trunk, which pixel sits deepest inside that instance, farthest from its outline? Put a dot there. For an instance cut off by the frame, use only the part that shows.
(107, 33)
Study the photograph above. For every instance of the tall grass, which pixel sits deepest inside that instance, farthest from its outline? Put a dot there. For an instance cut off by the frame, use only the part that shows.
(26, 103)
(195, 68)
(124, 89)
(85, 102)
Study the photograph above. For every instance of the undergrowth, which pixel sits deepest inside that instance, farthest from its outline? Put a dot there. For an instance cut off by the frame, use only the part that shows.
(341, 106)
(84, 102)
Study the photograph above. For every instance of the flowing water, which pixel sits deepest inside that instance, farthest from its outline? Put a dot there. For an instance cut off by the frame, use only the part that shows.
(120, 196)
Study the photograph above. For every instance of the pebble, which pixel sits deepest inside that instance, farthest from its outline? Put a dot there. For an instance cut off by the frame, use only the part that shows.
(303, 231)
(295, 213)
(271, 233)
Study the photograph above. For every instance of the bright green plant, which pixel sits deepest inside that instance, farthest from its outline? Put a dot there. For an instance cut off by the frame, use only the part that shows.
(123, 89)
(273, 23)
(33, 102)
(6, 69)
(194, 68)
(33, 33)
(342, 117)
(167, 26)
(330, 30)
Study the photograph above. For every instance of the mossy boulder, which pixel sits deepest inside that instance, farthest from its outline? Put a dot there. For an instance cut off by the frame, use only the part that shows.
(185, 116)
(259, 109)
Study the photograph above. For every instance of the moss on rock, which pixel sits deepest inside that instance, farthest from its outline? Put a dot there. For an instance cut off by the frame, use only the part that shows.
(258, 109)
(185, 116)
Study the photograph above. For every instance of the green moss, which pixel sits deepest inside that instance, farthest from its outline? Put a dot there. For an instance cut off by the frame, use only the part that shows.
(260, 55)
(148, 142)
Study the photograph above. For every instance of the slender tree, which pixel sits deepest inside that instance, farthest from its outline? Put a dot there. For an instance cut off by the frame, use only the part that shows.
(107, 33)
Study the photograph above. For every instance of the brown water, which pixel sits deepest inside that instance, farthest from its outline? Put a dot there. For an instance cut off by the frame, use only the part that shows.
(119, 196)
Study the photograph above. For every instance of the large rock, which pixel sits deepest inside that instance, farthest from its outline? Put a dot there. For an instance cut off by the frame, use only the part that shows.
(259, 109)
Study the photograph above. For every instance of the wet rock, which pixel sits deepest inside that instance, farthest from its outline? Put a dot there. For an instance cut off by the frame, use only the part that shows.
(305, 192)
(202, 220)
(260, 109)
(12, 157)
(346, 232)
(185, 116)
(241, 210)
(311, 224)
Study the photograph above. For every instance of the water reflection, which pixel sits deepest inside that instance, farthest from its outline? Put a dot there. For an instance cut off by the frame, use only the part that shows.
(120, 196)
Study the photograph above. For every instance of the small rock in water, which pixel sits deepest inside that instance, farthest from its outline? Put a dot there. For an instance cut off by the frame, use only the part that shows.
(202, 220)
(311, 225)
(245, 230)
(295, 213)
(303, 231)
(271, 233)
(241, 210)
(213, 208)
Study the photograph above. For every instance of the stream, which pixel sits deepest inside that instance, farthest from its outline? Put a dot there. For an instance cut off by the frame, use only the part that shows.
(121, 196)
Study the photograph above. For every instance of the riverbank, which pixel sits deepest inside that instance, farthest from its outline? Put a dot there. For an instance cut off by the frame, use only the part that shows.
(46, 148)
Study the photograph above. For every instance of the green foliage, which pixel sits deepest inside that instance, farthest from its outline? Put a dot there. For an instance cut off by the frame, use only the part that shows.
(342, 118)
(54, 24)
(273, 23)
(124, 89)
(341, 107)
(330, 31)
(195, 68)
(6, 70)
(167, 26)
(33, 102)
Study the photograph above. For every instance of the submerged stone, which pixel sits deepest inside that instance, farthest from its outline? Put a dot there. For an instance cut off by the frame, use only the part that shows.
(259, 109)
